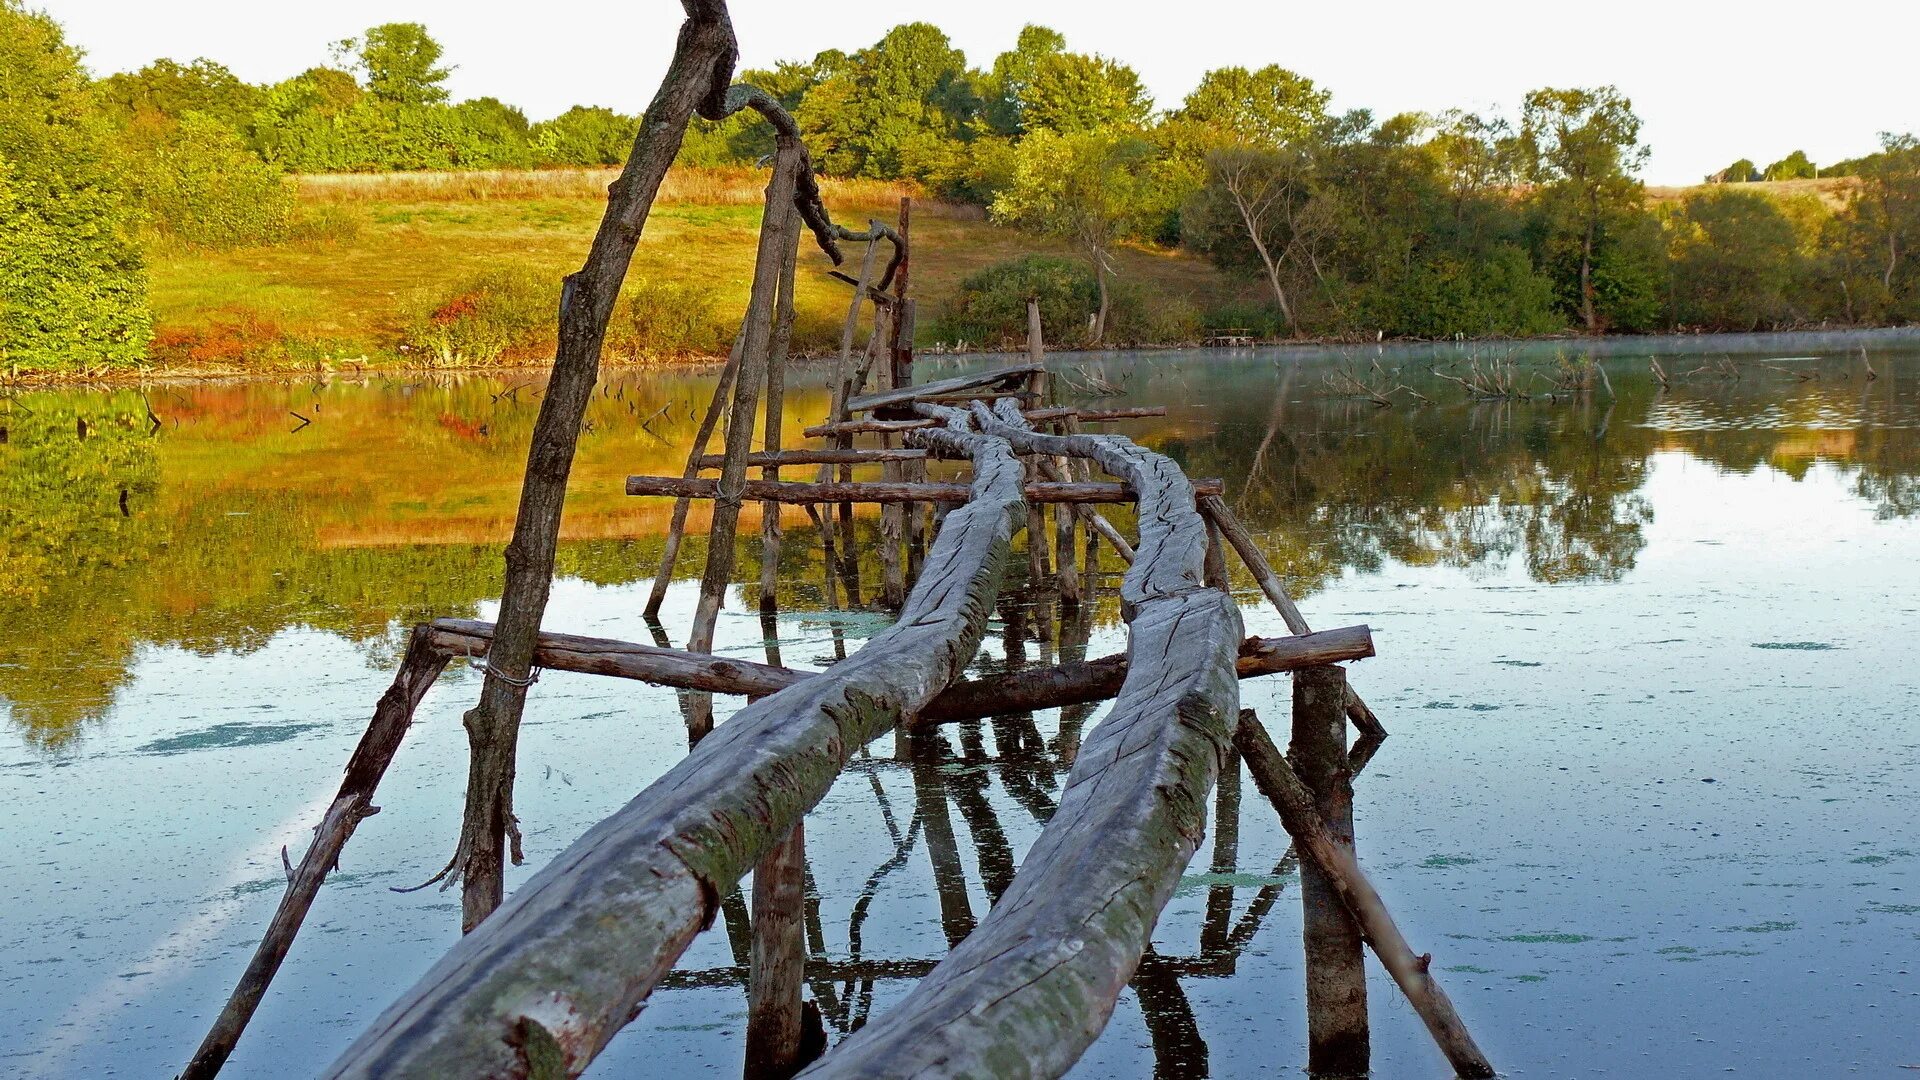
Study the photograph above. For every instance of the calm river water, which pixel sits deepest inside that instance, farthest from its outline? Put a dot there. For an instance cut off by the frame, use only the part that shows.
(1647, 657)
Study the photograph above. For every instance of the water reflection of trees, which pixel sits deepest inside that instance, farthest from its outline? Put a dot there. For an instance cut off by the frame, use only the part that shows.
(393, 505)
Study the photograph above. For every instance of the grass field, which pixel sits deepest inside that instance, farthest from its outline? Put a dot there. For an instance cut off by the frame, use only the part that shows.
(375, 248)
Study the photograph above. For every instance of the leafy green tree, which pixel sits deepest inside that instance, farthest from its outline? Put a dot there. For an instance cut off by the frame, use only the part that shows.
(400, 62)
(493, 134)
(1008, 85)
(585, 135)
(1075, 92)
(899, 108)
(1794, 166)
(203, 188)
(1092, 188)
(1740, 172)
(1871, 240)
(1582, 147)
(1259, 208)
(1734, 257)
(1271, 107)
(72, 279)
(167, 88)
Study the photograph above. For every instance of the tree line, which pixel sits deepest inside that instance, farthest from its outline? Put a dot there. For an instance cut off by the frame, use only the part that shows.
(1455, 224)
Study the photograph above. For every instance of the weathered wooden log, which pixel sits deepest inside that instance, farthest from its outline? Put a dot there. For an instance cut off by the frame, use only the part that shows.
(1031, 988)
(1075, 682)
(779, 232)
(1222, 517)
(909, 394)
(821, 457)
(696, 78)
(1339, 1042)
(1051, 412)
(1282, 787)
(877, 491)
(779, 958)
(774, 413)
(573, 953)
(354, 802)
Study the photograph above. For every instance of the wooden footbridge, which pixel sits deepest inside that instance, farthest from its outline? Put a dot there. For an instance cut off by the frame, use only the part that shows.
(544, 978)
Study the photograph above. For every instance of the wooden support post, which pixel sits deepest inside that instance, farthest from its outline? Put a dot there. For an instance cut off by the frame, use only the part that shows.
(1216, 559)
(1319, 846)
(776, 404)
(949, 874)
(778, 965)
(1338, 1042)
(1226, 855)
(354, 802)
(778, 234)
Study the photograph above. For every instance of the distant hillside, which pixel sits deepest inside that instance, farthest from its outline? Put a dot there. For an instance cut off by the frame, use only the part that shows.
(375, 254)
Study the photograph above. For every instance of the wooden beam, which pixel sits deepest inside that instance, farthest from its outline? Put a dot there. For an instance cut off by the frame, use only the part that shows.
(875, 491)
(819, 457)
(906, 395)
(1052, 412)
(1073, 683)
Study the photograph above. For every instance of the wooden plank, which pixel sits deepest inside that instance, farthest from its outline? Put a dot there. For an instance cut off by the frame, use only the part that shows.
(906, 395)
(572, 954)
(876, 491)
(820, 457)
(1072, 683)
(1032, 987)
(1051, 412)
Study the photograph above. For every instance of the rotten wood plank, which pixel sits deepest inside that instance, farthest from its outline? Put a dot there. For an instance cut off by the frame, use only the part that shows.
(907, 395)
(1051, 412)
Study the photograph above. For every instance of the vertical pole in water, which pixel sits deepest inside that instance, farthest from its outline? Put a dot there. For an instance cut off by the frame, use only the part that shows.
(1338, 1044)
(778, 961)
(776, 404)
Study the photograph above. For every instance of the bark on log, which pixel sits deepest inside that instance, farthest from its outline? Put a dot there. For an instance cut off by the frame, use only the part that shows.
(1031, 988)
(1282, 787)
(574, 952)
(1339, 1043)
(1071, 683)
(879, 491)
(354, 802)
(909, 394)
(696, 78)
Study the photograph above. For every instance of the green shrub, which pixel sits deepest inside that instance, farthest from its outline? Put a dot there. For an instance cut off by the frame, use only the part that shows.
(1261, 318)
(1139, 317)
(667, 319)
(502, 315)
(73, 288)
(990, 308)
(1497, 295)
(203, 188)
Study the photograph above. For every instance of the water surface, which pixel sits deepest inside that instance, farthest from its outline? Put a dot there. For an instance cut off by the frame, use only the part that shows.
(1646, 657)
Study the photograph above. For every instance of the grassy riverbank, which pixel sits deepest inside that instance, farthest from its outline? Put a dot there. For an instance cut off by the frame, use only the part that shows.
(379, 261)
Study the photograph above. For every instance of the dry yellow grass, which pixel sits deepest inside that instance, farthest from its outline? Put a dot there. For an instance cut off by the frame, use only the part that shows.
(1832, 191)
(688, 187)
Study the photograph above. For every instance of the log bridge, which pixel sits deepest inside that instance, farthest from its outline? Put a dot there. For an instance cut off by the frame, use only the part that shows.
(543, 978)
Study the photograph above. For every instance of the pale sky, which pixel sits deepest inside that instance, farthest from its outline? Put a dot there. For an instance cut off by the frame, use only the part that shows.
(1712, 80)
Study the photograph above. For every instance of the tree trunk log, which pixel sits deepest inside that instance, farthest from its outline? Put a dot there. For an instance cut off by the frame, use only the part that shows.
(777, 969)
(696, 79)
